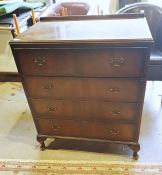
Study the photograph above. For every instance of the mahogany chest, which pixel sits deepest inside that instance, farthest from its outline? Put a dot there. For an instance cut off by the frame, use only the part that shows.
(85, 79)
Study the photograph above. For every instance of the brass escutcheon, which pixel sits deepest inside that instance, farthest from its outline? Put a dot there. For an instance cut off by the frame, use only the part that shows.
(114, 90)
(52, 109)
(55, 127)
(47, 86)
(115, 112)
(117, 61)
(40, 61)
(114, 131)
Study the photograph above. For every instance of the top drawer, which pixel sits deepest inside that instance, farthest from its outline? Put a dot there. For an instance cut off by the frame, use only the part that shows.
(98, 62)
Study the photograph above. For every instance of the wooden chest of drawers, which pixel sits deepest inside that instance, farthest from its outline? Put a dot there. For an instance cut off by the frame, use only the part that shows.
(85, 82)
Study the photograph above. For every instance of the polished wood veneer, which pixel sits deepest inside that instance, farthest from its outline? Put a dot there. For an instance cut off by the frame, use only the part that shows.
(84, 88)
(115, 62)
(85, 79)
(74, 109)
(92, 129)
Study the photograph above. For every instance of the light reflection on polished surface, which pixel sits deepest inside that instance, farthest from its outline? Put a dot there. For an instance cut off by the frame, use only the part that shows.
(92, 30)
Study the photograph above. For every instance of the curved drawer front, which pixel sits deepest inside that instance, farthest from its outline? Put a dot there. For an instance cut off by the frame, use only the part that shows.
(97, 62)
(96, 130)
(84, 88)
(89, 110)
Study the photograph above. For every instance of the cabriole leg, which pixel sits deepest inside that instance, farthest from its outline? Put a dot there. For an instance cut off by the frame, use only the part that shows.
(135, 148)
(41, 140)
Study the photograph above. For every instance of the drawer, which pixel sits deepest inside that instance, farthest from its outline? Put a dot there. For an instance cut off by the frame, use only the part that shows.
(97, 62)
(84, 88)
(96, 130)
(87, 110)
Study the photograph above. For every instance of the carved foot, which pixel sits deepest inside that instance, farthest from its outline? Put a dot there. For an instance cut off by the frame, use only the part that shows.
(41, 140)
(135, 148)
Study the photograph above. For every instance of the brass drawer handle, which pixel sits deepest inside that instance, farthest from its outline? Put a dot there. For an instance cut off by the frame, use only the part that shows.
(47, 86)
(56, 127)
(117, 61)
(114, 131)
(40, 61)
(52, 109)
(114, 90)
(115, 112)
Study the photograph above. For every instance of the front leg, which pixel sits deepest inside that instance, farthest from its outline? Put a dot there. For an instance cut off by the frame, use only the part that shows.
(135, 148)
(41, 140)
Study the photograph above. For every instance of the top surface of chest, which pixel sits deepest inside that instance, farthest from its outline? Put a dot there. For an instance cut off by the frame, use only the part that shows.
(88, 31)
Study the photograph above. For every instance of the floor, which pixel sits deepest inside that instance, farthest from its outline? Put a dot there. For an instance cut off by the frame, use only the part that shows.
(18, 134)
(7, 63)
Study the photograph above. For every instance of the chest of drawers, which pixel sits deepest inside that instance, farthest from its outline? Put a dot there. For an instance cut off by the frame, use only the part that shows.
(85, 79)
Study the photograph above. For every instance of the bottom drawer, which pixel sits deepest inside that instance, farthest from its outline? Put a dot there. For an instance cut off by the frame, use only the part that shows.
(95, 130)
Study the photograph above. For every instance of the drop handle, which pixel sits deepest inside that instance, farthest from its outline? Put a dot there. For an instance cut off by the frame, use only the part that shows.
(39, 61)
(114, 131)
(56, 127)
(47, 86)
(115, 112)
(117, 61)
(114, 90)
(52, 109)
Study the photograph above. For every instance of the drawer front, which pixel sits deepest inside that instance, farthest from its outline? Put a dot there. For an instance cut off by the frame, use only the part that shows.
(96, 130)
(84, 88)
(114, 62)
(96, 110)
